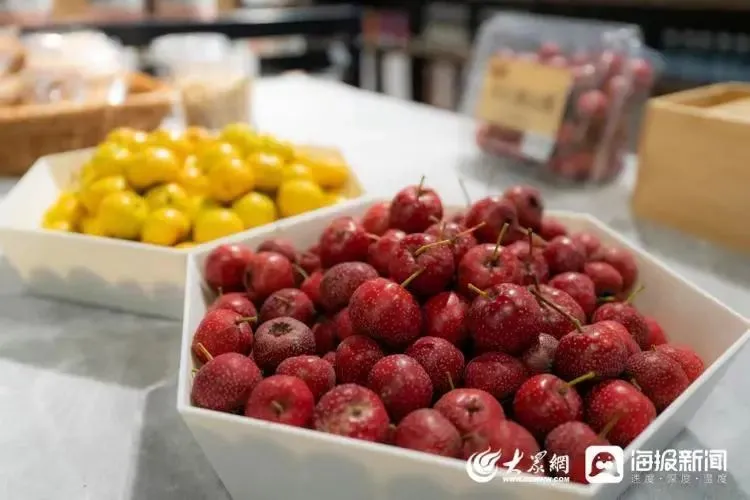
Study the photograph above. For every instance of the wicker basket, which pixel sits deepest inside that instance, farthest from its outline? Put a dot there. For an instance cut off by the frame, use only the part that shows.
(30, 131)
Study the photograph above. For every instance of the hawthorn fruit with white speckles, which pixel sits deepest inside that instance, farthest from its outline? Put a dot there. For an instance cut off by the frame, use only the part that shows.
(505, 318)
(621, 405)
(580, 287)
(340, 282)
(317, 373)
(353, 411)
(355, 357)
(268, 272)
(660, 377)
(470, 409)
(344, 240)
(237, 302)
(571, 440)
(497, 373)
(690, 362)
(423, 253)
(385, 311)
(429, 431)
(488, 265)
(224, 383)
(592, 349)
(443, 362)
(279, 339)
(402, 384)
(283, 399)
(224, 269)
(221, 331)
(541, 355)
(288, 302)
(382, 251)
(444, 316)
(414, 208)
(628, 316)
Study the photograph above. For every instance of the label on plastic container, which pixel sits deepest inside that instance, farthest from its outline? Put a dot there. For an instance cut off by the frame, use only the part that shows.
(528, 97)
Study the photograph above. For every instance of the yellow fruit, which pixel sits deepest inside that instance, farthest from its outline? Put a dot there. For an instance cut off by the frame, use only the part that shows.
(127, 138)
(152, 166)
(229, 179)
(333, 198)
(197, 136)
(330, 173)
(108, 159)
(174, 141)
(92, 226)
(269, 170)
(298, 196)
(165, 226)
(166, 195)
(191, 177)
(241, 136)
(213, 153)
(58, 225)
(194, 204)
(92, 194)
(67, 208)
(255, 209)
(271, 145)
(121, 215)
(297, 171)
(213, 223)
(185, 245)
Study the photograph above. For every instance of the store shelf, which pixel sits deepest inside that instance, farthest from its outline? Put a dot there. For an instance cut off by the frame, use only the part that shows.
(321, 20)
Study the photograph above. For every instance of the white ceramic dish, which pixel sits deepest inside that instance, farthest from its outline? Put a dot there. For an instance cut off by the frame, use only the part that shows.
(262, 460)
(129, 276)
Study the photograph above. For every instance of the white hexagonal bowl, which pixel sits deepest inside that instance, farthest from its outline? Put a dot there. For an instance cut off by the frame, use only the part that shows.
(117, 274)
(262, 460)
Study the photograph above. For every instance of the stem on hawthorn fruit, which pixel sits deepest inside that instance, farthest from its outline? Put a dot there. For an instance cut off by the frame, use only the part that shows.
(557, 308)
(193, 371)
(499, 239)
(420, 186)
(450, 380)
(467, 198)
(527, 264)
(469, 231)
(202, 349)
(411, 278)
(608, 427)
(248, 319)
(277, 407)
(442, 230)
(426, 247)
(373, 237)
(477, 290)
(582, 378)
(635, 384)
(609, 298)
(634, 293)
(300, 270)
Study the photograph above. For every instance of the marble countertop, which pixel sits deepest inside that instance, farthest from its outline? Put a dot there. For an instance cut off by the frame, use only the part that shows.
(87, 396)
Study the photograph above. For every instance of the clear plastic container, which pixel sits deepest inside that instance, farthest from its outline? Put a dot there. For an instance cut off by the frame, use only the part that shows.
(213, 75)
(80, 66)
(602, 76)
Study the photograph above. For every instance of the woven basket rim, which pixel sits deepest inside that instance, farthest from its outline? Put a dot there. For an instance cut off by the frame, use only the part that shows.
(155, 93)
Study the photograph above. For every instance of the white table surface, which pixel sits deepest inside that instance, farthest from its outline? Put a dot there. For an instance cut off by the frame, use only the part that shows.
(87, 396)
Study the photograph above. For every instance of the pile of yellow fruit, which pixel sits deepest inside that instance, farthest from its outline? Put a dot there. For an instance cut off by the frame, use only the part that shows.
(181, 189)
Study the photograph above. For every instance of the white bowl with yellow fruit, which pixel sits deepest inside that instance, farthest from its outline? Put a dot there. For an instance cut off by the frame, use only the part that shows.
(112, 225)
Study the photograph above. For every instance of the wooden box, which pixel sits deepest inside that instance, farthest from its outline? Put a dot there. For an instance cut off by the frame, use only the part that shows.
(694, 163)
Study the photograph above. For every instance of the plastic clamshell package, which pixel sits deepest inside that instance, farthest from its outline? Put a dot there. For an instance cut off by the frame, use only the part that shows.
(612, 75)
(263, 460)
(123, 275)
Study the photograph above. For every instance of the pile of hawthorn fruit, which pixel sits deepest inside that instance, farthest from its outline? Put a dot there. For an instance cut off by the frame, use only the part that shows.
(608, 89)
(492, 328)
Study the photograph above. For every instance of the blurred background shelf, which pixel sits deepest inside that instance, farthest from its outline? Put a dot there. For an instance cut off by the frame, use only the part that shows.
(418, 49)
(702, 41)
